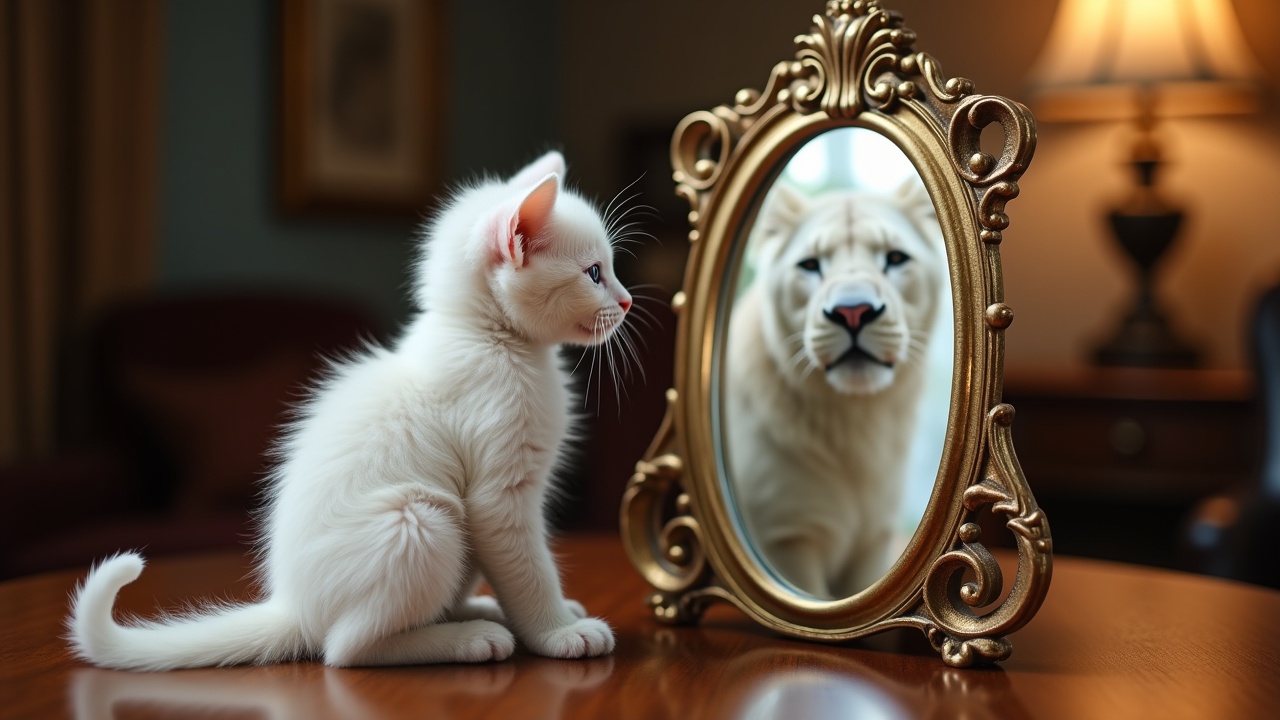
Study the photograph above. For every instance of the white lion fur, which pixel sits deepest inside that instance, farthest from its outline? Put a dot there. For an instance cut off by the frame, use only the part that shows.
(414, 470)
(818, 458)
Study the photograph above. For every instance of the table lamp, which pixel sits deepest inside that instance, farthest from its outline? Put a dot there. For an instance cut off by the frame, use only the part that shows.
(1140, 61)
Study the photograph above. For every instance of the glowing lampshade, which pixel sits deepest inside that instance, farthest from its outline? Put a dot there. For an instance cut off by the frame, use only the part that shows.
(1107, 59)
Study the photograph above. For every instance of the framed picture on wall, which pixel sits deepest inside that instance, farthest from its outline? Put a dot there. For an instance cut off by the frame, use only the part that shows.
(360, 118)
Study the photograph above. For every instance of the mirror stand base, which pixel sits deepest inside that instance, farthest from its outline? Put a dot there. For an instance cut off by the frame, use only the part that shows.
(968, 653)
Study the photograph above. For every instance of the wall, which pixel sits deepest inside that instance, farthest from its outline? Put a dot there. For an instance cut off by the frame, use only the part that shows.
(650, 63)
(219, 225)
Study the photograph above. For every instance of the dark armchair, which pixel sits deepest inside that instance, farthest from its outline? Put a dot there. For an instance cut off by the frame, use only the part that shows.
(188, 393)
(1238, 536)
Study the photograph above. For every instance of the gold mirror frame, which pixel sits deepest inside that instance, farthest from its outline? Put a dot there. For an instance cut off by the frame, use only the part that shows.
(856, 67)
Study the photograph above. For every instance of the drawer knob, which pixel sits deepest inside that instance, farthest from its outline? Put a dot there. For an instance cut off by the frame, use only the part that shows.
(1127, 436)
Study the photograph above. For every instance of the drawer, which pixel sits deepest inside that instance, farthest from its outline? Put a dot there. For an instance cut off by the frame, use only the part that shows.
(1155, 450)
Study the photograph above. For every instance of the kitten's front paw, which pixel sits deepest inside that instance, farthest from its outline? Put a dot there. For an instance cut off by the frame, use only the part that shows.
(587, 637)
(483, 641)
(575, 608)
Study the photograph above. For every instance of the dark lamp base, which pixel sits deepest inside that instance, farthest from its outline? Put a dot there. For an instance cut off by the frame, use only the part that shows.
(1146, 342)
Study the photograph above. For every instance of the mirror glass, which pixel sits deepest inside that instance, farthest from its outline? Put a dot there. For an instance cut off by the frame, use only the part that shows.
(837, 364)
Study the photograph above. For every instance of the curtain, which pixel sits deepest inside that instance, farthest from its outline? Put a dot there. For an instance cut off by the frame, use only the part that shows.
(80, 84)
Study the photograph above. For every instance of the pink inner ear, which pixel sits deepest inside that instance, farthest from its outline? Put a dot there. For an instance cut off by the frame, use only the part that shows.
(520, 233)
(535, 215)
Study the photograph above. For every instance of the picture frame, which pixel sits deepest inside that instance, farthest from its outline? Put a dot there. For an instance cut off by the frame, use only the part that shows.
(360, 129)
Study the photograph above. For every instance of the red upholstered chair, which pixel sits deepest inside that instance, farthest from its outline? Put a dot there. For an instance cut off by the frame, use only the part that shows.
(189, 392)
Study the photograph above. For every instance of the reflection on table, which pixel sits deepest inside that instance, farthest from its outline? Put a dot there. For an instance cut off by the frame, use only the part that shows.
(1110, 641)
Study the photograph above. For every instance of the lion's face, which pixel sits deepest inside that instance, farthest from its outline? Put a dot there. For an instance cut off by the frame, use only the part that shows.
(851, 282)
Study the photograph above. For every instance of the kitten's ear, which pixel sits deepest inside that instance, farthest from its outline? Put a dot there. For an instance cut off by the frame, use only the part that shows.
(517, 230)
(550, 164)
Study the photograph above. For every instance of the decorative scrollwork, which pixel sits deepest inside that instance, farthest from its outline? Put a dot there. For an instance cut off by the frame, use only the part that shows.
(948, 599)
(668, 551)
(994, 176)
(859, 57)
(844, 53)
(947, 90)
(686, 608)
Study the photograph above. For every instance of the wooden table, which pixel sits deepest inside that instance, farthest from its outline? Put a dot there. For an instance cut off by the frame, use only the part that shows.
(1111, 641)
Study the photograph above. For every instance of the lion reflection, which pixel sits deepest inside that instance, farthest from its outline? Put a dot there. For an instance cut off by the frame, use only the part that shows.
(826, 366)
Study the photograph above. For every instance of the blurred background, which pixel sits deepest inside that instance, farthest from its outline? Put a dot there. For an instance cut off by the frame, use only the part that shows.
(196, 197)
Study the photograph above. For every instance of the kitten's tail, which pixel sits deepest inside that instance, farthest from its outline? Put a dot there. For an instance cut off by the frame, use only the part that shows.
(217, 635)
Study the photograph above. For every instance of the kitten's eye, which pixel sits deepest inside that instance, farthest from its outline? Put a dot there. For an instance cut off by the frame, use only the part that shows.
(593, 272)
(810, 265)
(895, 258)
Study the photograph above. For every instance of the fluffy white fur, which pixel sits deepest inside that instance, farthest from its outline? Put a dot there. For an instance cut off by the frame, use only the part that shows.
(413, 471)
(818, 418)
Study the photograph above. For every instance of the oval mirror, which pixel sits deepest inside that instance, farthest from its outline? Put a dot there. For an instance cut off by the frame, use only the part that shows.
(835, 446)
(837, 365)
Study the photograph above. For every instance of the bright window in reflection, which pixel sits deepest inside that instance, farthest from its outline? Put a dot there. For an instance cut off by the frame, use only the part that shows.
(849, 158)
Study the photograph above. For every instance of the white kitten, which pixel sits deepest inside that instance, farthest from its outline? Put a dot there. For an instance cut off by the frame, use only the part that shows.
(414, 470)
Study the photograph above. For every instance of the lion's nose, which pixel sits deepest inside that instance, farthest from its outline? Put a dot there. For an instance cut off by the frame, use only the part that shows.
(855, 316)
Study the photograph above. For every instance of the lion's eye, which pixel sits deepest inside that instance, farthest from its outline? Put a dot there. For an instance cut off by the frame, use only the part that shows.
(810, 265)
(895, 258)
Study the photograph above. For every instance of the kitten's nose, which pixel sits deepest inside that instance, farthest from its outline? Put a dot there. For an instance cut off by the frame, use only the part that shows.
(625, 305)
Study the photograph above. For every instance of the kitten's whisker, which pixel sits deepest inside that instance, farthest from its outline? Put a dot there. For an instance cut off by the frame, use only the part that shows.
(591, 370)
(629, 231)
(628, 342)
(613, 373)
(614, 204)
(638, 336)
(621, 214)
(599, 329)
(633, 229)
(639, 210)
(585, 350)
(647, 312)
(646, 322)
(633, 236)
(644, 317)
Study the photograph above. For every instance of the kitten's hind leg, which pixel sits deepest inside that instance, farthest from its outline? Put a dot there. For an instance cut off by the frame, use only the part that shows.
(410, 568)
(349, 644)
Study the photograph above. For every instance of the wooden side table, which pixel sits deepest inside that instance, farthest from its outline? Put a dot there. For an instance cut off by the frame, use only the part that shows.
(1118, 456)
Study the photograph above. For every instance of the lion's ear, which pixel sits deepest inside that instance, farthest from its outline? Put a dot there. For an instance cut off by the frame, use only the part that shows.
(783, 211)
(914, 201)
(913, 198)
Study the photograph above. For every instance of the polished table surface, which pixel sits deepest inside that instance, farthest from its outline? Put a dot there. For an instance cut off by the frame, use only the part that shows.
(1111, 641)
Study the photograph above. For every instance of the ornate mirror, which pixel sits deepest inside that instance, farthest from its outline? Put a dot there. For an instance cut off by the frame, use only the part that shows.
(835, 447)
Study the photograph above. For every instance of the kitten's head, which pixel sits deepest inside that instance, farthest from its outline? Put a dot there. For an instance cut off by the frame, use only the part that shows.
(544, 255)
